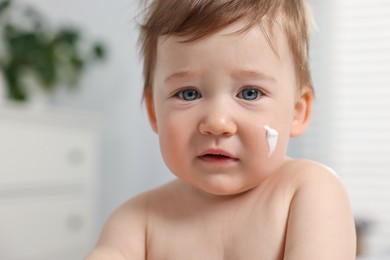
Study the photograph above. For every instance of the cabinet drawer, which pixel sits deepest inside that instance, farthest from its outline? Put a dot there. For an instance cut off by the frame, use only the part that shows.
(47, 229)
(44, 153)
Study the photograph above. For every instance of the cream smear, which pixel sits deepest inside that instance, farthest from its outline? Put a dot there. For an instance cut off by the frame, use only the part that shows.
(272, 139)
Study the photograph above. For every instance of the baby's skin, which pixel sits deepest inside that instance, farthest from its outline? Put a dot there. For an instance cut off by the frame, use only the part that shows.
(297, 212)
(224, 108)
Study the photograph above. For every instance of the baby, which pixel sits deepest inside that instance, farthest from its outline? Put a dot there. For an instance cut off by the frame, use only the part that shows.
(227, 83)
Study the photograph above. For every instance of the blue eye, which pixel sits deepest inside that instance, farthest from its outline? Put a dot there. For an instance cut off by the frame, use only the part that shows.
(249, 94)
(188, 94)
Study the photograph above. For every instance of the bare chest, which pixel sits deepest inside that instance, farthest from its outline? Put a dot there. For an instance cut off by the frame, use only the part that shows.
(257, 233)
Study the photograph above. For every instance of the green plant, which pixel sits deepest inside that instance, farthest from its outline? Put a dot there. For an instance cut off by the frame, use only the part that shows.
(28, 46)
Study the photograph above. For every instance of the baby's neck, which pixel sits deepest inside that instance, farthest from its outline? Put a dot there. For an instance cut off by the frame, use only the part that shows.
(201, 197)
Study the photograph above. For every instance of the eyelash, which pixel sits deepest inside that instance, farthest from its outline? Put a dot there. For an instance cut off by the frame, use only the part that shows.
(259, 93)
(180, 94)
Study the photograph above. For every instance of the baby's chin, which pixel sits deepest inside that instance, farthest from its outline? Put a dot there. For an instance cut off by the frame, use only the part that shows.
(223, 191)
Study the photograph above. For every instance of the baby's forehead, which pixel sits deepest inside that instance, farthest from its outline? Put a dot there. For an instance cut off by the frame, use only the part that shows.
(272, 37)
(229, 51)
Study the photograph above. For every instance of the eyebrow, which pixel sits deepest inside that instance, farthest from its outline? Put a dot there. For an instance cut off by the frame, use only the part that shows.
(252, 74)
(180, 75)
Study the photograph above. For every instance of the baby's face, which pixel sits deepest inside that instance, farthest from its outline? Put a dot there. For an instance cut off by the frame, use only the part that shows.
(212, 99)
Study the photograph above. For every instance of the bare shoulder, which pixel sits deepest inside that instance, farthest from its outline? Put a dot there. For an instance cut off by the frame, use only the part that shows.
(124, 233)
(305, 172)
(320, 224)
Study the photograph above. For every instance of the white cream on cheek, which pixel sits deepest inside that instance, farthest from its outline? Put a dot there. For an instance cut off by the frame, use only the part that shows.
(272, 139)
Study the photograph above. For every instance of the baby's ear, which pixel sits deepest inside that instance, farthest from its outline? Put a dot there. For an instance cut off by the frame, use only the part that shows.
(150, 108)
(302, 113)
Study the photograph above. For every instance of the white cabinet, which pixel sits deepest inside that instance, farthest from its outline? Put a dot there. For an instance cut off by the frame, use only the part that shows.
(48, 184)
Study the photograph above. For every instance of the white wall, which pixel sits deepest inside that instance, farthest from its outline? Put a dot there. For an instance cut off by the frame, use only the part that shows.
(130, 157)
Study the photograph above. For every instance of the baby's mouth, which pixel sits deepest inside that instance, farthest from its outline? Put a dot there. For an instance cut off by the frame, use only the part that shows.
(217, 156)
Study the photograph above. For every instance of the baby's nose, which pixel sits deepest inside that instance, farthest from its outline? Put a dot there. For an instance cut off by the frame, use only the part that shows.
(218, 120)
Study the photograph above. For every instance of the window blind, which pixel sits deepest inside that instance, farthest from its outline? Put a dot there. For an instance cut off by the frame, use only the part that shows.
(361, 113)
(351, 125)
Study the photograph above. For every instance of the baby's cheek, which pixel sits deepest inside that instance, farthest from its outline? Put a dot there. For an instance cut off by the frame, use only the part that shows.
(256, 142)
(265, 141)
(170, 138)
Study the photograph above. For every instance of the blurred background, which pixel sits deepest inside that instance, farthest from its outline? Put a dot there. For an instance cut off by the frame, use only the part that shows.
(70, 155)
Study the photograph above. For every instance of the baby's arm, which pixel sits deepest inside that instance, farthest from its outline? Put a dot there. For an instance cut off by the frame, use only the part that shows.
(123, 236)
(320, 224)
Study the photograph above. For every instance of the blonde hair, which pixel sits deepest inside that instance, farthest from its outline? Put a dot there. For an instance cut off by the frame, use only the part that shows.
(195, 19)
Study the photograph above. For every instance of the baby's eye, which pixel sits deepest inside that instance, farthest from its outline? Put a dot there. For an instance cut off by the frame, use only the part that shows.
(249, 94)
(189, 94)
